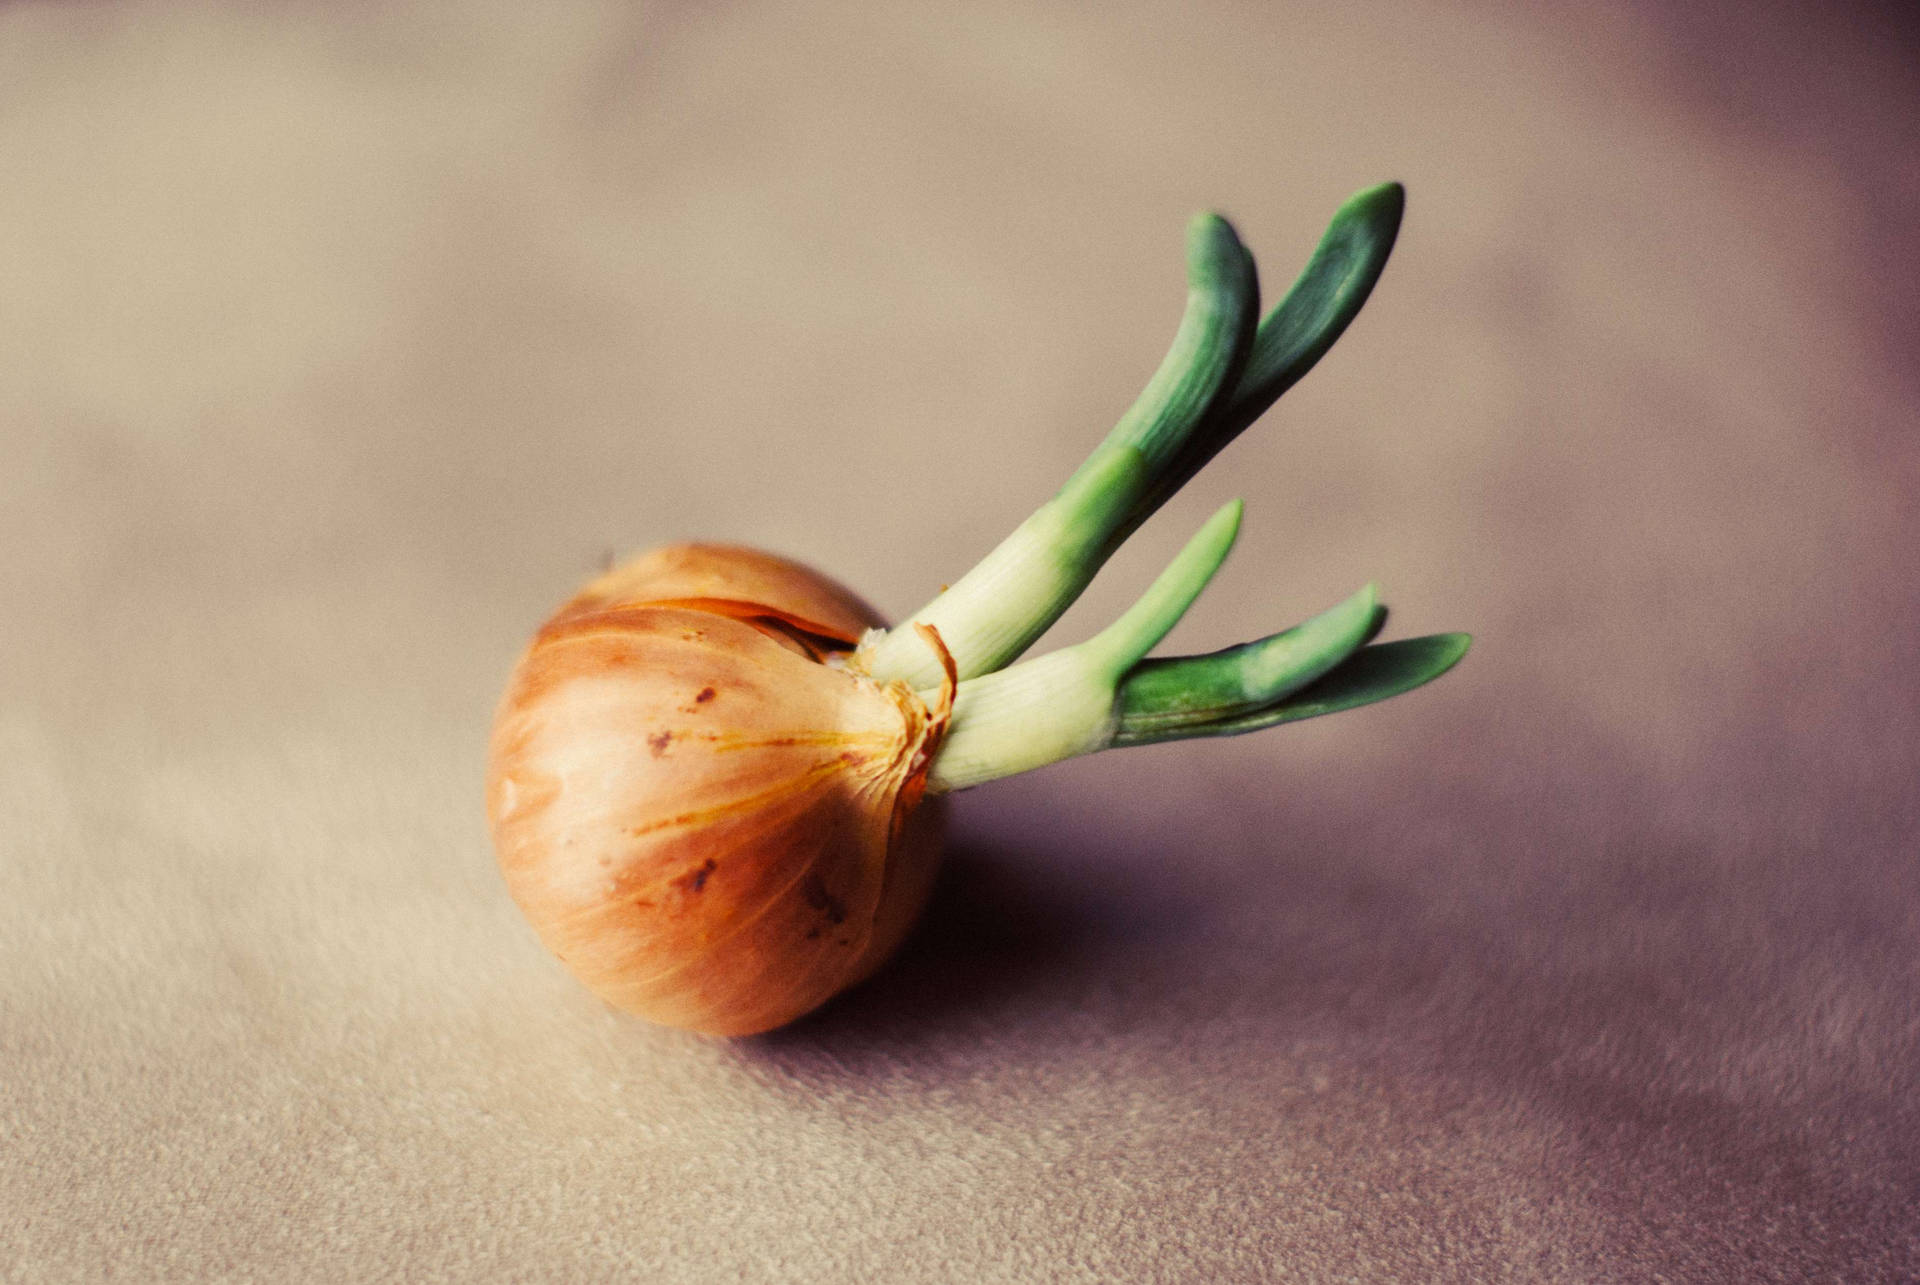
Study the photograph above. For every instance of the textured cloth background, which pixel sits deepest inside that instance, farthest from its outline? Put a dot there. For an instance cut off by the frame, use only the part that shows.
(338, 342)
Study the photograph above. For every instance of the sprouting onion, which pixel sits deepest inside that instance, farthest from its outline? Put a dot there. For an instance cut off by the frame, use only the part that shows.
(714, 779)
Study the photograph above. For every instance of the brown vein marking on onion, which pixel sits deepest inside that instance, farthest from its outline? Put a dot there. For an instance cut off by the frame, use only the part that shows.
(739, 730)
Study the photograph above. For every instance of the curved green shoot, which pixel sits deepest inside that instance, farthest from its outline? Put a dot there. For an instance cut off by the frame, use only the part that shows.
(1371, 674)
(1292, 339)
(1013, 595)
(1166, 695)
(1220, 375)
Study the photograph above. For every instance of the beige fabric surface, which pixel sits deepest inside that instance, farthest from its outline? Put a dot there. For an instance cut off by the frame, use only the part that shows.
(338, 343)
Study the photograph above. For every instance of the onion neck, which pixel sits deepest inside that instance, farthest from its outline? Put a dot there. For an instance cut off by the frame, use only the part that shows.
(1064, 703)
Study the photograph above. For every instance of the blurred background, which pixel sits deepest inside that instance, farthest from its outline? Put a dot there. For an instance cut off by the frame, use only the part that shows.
(339, 342)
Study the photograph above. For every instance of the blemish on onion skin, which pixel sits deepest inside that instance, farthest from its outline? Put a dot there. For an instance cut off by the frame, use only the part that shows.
(696, 880)
(830, 907)
(659, 741)
(706, 694)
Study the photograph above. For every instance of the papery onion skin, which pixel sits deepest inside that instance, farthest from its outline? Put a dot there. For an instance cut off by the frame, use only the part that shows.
(709, 826)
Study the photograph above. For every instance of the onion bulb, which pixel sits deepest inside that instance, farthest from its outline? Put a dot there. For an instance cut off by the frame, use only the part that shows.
(715, 779)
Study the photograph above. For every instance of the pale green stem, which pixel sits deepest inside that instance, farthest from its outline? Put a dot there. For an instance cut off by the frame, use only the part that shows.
(1065, 703)
(1013, 595)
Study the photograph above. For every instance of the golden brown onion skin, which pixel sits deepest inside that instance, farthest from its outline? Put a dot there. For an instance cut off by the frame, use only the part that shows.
(710, 827)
